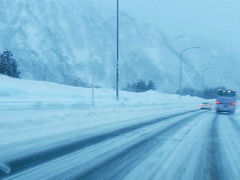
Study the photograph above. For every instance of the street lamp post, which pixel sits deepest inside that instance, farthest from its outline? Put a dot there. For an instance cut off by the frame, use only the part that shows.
(180, 67)
(117, 50)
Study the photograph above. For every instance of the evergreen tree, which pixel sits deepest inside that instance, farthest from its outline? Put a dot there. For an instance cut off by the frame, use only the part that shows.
(8, 65)
(151, 85)
(140, 86)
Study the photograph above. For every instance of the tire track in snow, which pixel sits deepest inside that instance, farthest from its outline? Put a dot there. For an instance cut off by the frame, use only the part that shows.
(232, 149)
(214, 156)
(181, 155)
(32, 160)
(234, 124)
(170, 153)
(212, 163)
(121, 164)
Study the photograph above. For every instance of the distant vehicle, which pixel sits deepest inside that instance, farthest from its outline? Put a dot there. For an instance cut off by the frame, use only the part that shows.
(226, 101)
(205, 105)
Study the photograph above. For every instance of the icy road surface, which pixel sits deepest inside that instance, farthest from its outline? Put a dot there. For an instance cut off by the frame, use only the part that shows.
(184, 144)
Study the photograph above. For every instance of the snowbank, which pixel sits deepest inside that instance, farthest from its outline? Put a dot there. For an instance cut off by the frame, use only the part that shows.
(35, 109)
(27, 91)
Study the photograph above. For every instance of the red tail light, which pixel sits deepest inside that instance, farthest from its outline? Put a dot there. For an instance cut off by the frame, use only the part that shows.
(201, 104)
(218, 102)
(234, 104)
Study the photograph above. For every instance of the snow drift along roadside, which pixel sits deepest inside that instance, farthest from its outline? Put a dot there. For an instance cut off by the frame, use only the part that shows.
(23, 91)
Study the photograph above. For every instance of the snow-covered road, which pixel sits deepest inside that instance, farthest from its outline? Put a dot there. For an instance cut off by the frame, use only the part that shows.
(186, 144)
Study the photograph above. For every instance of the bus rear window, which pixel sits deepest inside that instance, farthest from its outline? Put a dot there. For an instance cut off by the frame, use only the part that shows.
(227, 93)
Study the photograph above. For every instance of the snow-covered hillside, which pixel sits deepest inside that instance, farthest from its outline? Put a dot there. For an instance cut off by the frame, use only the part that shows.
(46, 97)
(39, 94)
(69, 41)
(62, 106)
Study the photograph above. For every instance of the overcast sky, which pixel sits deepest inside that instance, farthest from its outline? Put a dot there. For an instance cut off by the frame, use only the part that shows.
(216, 19)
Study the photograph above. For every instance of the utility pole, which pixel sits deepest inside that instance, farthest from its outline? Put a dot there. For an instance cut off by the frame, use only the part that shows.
(180, 77)
(93, 103)
(117, 50)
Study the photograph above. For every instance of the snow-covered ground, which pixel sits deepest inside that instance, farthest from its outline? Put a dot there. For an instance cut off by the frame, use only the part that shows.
(14, 91)
(32, 109)
(143, 136)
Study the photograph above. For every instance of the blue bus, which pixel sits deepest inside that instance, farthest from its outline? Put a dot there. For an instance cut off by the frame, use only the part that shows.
(226, 101)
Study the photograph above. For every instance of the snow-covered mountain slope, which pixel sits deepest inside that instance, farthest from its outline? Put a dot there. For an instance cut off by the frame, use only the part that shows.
(69, 41)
